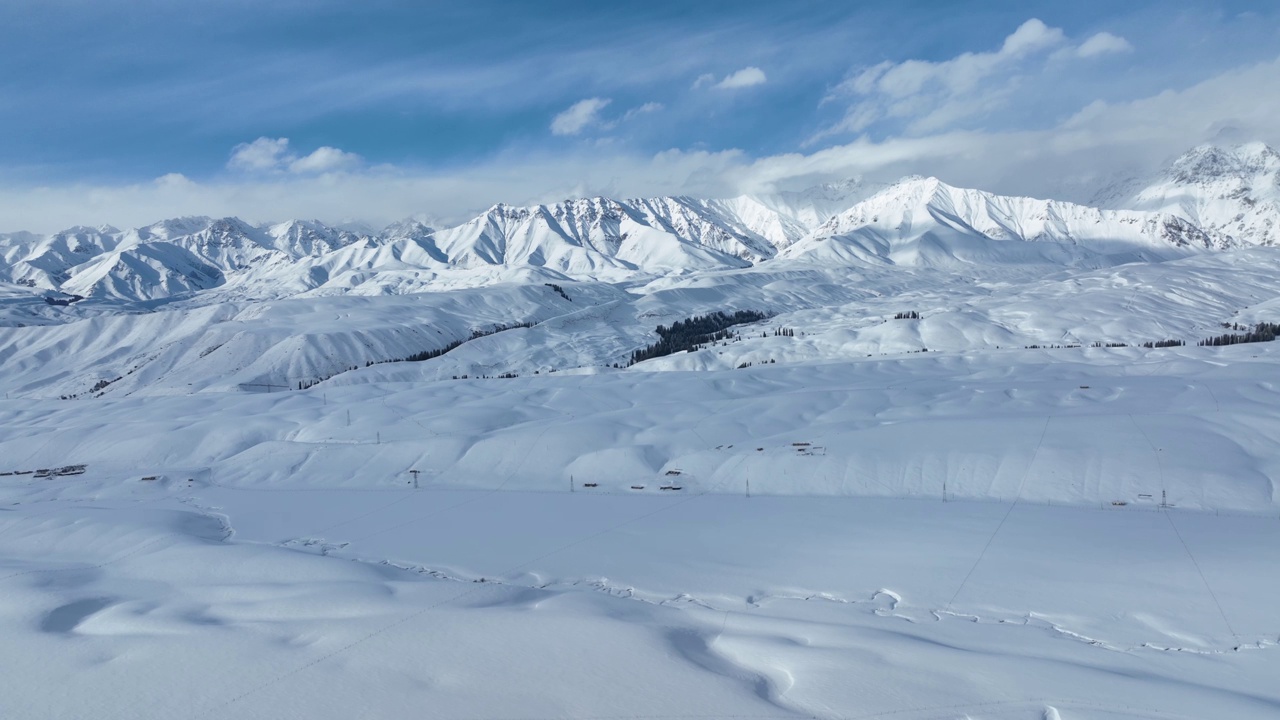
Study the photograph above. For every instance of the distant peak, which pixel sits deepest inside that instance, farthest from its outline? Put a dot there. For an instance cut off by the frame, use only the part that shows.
(912, 186)
(230, 224)
(408, 227)
(1207, 162)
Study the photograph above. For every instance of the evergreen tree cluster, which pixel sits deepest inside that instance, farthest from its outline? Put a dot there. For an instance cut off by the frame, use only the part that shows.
(784, 332)
(499, 328)
(909, 315)
(693, 333)
(559, 290)
(1163, 344)
(1262, 332)
(425, 354)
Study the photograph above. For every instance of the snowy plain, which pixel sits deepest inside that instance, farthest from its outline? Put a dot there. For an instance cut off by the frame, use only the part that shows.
(282, 563)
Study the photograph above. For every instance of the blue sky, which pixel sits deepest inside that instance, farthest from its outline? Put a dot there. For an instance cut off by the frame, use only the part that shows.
(125, 112)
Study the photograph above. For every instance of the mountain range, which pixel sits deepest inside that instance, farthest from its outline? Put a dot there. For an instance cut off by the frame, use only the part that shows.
(1206, 200)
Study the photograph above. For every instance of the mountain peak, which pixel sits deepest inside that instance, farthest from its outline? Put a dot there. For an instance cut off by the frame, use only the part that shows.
(408, 228)
(1207, 163)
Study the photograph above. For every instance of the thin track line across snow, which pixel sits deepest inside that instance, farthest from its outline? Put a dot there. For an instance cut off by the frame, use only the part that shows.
(1169, 516)
(1007, 513)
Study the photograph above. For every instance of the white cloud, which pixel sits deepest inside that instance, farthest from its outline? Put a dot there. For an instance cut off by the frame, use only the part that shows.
(1031, 36)
(1068, 160)
(268, 155)
(1104, 43)
(325, 159)
(746, 77)
(930, 96)
(645, 109)
(579, 116)
(260, 155)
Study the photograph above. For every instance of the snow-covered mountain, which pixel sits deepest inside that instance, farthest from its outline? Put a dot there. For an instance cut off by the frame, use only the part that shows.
(45, 261)
(1208, 200)
(925, 222)
(590, 238)
(1229, 191)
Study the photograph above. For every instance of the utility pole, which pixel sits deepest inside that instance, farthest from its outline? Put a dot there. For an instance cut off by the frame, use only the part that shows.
(414, 473)
(748, 487)
(944, 491)
(571, 483)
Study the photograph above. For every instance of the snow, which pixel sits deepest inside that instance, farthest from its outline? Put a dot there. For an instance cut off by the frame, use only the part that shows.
(283, 563)
(897, 508)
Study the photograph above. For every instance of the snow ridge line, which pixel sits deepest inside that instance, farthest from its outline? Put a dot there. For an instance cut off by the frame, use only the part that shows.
(414, 615)
(1032, 619)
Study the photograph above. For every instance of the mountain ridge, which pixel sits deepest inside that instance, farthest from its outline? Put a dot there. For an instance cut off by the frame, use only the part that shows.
(1208, 199)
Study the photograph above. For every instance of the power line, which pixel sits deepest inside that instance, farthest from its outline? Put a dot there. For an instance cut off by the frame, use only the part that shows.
(1007, 513)
(1169, 516)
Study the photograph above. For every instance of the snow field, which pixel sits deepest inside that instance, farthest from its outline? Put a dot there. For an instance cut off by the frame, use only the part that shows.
(212, 601)
(282, 563)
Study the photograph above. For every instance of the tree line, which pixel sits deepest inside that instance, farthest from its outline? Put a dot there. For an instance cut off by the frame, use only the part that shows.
(1262, 332)
(694, 332)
